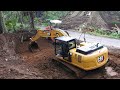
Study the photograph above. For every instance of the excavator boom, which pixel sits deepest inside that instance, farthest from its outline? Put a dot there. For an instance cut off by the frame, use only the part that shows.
(49, 33)
(45, 34)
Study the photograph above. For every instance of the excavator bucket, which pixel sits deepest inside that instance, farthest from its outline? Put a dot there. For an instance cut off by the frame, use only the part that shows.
(33, 46)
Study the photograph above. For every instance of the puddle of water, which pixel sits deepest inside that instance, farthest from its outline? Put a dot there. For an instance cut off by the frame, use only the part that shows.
(110, 71)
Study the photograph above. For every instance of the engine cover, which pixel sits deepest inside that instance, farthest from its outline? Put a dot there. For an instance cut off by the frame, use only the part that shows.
(89, 48)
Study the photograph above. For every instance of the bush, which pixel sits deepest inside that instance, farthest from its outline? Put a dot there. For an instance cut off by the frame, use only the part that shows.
(54, 14)
(100, 32)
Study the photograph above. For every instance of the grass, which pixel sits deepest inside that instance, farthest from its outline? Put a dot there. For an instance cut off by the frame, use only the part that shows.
(103, 33)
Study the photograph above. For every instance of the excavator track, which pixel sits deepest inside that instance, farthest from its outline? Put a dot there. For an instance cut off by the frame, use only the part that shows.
(77, 71)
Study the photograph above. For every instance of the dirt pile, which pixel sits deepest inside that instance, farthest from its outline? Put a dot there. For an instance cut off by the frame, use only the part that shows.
(8, 56)
(41, 61)
(8, 45)
(72, 23)
(99, 19)
(12, 65)
(114, 56)
(16, 62)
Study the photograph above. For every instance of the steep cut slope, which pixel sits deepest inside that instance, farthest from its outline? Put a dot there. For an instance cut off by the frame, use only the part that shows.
(99, 19)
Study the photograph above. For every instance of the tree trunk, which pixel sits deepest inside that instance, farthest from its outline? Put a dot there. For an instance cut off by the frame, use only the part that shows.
(20, 19)
(2, 23)
(1, 28)
(32, 20)
(39, 14)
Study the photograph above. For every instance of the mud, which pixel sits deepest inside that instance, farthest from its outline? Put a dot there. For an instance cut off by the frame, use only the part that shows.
(16, 62)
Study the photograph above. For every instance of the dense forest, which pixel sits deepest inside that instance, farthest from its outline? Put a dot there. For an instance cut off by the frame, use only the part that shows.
(11, 21)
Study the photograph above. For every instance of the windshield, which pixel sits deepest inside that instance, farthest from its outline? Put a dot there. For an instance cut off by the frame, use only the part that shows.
(71, 44)
(58, 48)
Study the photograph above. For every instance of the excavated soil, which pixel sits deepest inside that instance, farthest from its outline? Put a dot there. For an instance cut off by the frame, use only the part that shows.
(16, 62)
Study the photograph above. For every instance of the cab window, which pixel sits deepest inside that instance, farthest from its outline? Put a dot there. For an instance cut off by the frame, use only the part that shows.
(71, 44)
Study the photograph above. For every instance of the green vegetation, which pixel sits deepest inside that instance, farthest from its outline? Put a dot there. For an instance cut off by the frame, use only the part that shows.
(99, 32)
(115, 22)
(54, 14)
(17, 20)
(14, 20)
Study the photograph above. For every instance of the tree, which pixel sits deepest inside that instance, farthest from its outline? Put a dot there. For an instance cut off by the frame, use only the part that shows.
(39, 14)
(20, 18)
(1, 28)
(2, 23)
(31, 14)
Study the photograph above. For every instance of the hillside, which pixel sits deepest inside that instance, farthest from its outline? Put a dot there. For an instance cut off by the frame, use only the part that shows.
(100, 19)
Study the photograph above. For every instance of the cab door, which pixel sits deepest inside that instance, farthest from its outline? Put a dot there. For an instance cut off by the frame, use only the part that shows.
(65, 52)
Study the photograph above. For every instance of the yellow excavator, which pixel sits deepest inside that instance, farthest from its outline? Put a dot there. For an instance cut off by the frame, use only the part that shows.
(86, 56)
(47, 32)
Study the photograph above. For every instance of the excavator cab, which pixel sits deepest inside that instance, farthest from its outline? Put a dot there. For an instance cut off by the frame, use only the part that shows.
(63, 45)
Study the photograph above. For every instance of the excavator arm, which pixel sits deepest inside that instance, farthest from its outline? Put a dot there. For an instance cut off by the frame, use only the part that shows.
(51, 33)
(40, 33)
(45, 34)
